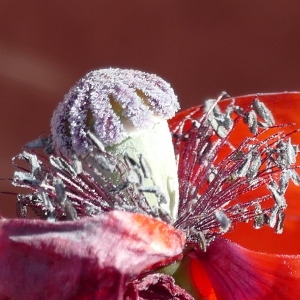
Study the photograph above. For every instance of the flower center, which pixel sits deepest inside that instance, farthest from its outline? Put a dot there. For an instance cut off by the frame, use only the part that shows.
(112, 149)
(112, 124)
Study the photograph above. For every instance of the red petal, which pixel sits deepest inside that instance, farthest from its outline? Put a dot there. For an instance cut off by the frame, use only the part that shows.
(241, 274)
(201, 281)
(89, 258)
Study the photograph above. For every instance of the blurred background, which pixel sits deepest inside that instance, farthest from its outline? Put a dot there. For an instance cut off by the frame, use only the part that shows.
(201, 47)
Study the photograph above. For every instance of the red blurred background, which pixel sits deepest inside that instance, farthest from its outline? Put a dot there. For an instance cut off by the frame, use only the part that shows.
(200, 47)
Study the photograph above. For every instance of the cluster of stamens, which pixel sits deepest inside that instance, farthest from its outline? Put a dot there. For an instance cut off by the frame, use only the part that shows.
(64, 190)
(248, 183)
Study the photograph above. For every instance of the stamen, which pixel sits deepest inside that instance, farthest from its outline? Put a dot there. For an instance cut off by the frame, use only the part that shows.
(261, 109)
(251, 121)
(224, 221)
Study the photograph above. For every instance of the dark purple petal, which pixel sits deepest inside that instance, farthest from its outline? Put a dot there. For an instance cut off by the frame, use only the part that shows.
(156, 287)
(92, 257)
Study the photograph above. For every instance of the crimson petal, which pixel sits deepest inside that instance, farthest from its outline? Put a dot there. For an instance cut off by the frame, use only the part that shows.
(92, 258)
(241, 274)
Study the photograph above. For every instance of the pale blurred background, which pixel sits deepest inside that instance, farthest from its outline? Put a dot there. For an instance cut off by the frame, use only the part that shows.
(200, 47)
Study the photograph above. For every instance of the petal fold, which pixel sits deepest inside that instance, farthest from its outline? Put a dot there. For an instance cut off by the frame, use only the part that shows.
(156, 287)
(92, 258)
(241, 274)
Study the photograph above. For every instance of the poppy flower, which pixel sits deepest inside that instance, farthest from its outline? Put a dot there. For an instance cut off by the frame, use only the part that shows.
(135, 202)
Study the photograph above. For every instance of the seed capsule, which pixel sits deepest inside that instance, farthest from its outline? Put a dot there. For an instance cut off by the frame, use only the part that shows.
(112, 104)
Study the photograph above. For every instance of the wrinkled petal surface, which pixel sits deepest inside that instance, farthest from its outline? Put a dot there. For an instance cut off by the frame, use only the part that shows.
(92, 258)
(156, 287)
(240, 274)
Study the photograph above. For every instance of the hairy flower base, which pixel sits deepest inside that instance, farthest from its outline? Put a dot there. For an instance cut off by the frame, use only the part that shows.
(93, 258)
